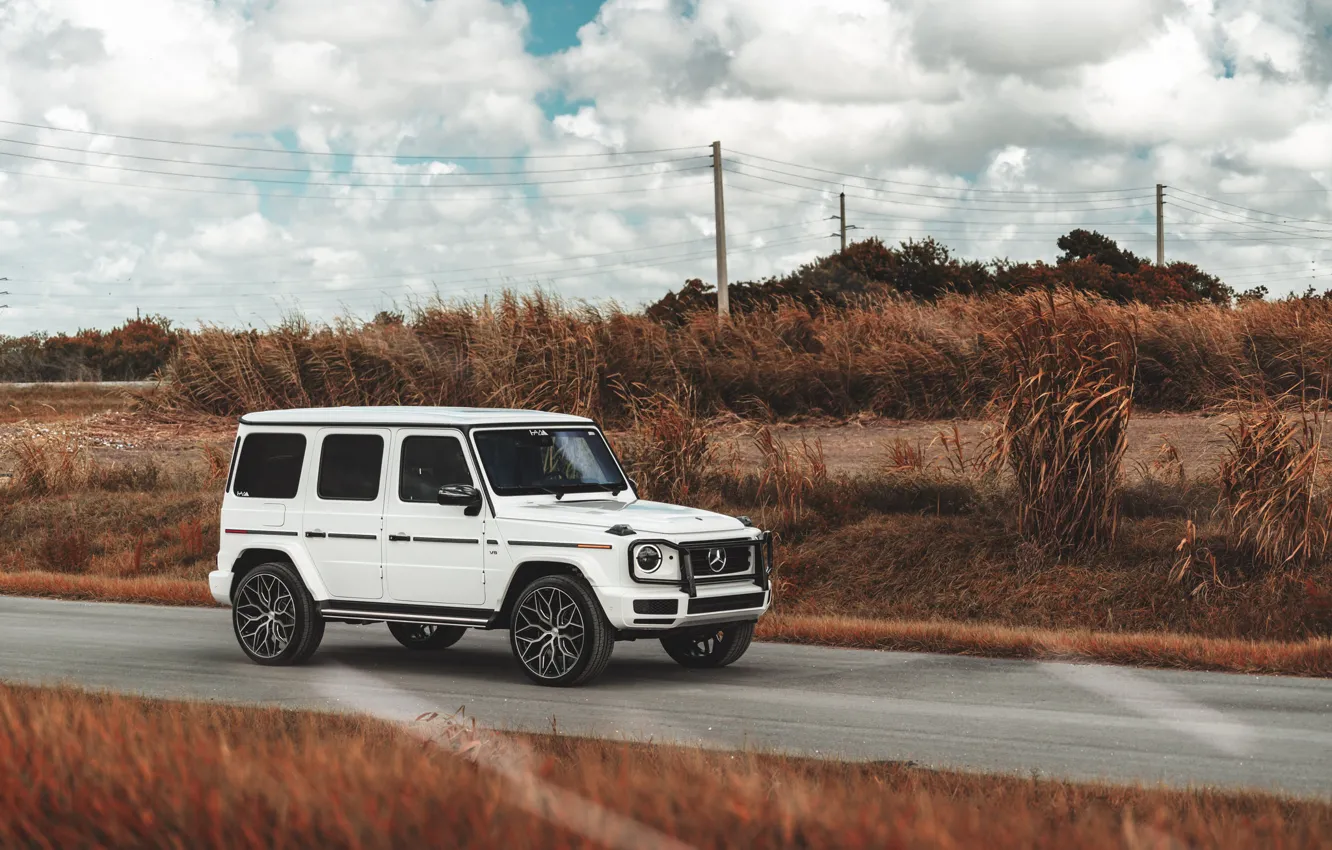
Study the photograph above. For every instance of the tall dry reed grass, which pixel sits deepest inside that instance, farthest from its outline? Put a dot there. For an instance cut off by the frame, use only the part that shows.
(1276, 505)
(887, 357)
(1065, 400)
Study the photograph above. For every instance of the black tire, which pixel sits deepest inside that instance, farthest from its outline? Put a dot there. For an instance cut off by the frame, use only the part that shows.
(273, 616)
(426, 636)
(575, 655)
(716, 646)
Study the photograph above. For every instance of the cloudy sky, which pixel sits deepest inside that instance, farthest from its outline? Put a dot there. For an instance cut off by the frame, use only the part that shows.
(237, 160)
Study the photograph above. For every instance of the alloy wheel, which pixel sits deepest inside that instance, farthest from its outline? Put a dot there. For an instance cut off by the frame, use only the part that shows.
(420, 632)
(703, 646)
(266, 615)
(549, 632)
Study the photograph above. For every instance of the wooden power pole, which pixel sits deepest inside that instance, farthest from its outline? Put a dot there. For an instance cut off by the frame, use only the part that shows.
(1160, 224)
(723, 295)
(843, 198)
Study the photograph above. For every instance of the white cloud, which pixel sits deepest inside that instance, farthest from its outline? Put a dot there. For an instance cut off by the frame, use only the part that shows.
(1017, 95)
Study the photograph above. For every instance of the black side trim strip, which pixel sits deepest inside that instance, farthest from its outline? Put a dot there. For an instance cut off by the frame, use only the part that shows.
(467, 540)
(261, 532)
(373, 609)
(353, 536)
(543, 543)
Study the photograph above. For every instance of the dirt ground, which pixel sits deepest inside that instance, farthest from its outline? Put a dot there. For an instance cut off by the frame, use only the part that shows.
(1199, 439)
(102, 419)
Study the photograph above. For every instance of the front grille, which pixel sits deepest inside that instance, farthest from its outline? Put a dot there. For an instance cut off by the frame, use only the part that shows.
(719, 561)
(737, 602)
(656, 606)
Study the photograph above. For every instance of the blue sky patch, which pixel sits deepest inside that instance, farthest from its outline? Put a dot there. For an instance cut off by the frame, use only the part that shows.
(555, 23)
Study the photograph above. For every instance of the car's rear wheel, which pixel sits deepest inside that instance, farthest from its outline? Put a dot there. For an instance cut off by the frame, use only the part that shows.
(559, 634)
(426, 635)
(274, 617)
(716, 646)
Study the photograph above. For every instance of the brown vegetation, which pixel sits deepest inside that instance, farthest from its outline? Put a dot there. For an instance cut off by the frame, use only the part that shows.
(88, 769)
(149, 590)
(1065, 398)
(133, 351)
(63, 511)
(1310, 657)
(1274, 486)
(63, 401)
(888, 357)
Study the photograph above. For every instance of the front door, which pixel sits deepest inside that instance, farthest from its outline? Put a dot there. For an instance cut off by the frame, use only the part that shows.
(344, 510)
(433, 553)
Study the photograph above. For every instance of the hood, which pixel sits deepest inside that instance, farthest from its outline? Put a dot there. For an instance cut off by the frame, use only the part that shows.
(643, 517)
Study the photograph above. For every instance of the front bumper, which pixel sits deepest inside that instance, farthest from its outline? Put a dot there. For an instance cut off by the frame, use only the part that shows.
(219, 584)
(723, 603)
(673, 604)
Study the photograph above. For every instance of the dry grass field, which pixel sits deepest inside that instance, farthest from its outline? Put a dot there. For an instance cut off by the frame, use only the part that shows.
(96, 770)
(1065, 510)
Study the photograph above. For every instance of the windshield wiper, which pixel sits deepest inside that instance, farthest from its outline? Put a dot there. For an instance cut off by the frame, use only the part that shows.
(558, 494)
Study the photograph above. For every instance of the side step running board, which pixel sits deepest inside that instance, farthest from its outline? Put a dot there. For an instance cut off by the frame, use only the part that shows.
(405, 617)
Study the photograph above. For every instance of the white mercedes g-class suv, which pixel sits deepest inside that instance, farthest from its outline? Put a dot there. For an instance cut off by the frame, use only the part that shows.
(435, 520)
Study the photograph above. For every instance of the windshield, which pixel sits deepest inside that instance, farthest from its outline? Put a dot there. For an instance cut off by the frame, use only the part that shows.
(529, 461)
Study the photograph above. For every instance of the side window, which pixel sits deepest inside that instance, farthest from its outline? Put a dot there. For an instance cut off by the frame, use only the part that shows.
(269, 466)
(231, 467)
(429, 463)
(349, 467)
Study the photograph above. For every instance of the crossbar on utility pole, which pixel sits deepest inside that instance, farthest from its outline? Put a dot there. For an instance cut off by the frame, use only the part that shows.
(723, 295)
(843, 198)
(1160, 224)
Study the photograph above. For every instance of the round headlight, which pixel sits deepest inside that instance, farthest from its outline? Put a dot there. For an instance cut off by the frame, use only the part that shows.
(648, 558)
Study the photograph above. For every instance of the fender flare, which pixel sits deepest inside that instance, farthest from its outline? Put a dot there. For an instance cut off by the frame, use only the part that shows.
(299, 558)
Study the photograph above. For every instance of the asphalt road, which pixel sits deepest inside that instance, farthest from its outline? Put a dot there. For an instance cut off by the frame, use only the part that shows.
(1054, 719)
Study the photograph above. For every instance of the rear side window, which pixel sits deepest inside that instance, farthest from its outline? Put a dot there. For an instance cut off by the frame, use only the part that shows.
(429, 463)
(269, 466)
(349, 467)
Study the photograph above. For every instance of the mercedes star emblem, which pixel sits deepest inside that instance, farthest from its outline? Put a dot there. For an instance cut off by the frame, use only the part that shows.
(716, 560)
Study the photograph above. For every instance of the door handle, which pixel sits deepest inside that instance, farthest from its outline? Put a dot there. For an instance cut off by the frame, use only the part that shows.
(315, 534)
(399, 538)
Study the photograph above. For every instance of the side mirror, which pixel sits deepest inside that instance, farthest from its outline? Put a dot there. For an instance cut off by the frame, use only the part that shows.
(461, 495)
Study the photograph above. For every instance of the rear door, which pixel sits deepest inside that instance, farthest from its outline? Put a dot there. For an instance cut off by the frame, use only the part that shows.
(344, 510)
(433, 553)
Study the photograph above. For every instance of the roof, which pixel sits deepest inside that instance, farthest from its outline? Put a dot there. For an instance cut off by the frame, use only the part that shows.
(427, 416)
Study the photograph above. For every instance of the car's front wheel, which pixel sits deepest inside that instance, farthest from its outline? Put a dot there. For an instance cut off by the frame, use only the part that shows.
(274, 617)
(426, 636)
(559, 634)
(716, 646)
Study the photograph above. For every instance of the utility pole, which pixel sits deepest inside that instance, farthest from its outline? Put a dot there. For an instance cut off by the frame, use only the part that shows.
(1160, 224)
(843, 197)
(723, 295)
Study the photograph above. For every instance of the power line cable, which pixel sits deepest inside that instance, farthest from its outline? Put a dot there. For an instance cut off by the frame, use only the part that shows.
(1326, 223)
(934, 197)
(231, 284)
(251, 167)
(213, 300)
(349, 153)
(1007, 210)
(275, 181)
(306, 197)
(935, 186)
(1288, 231)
